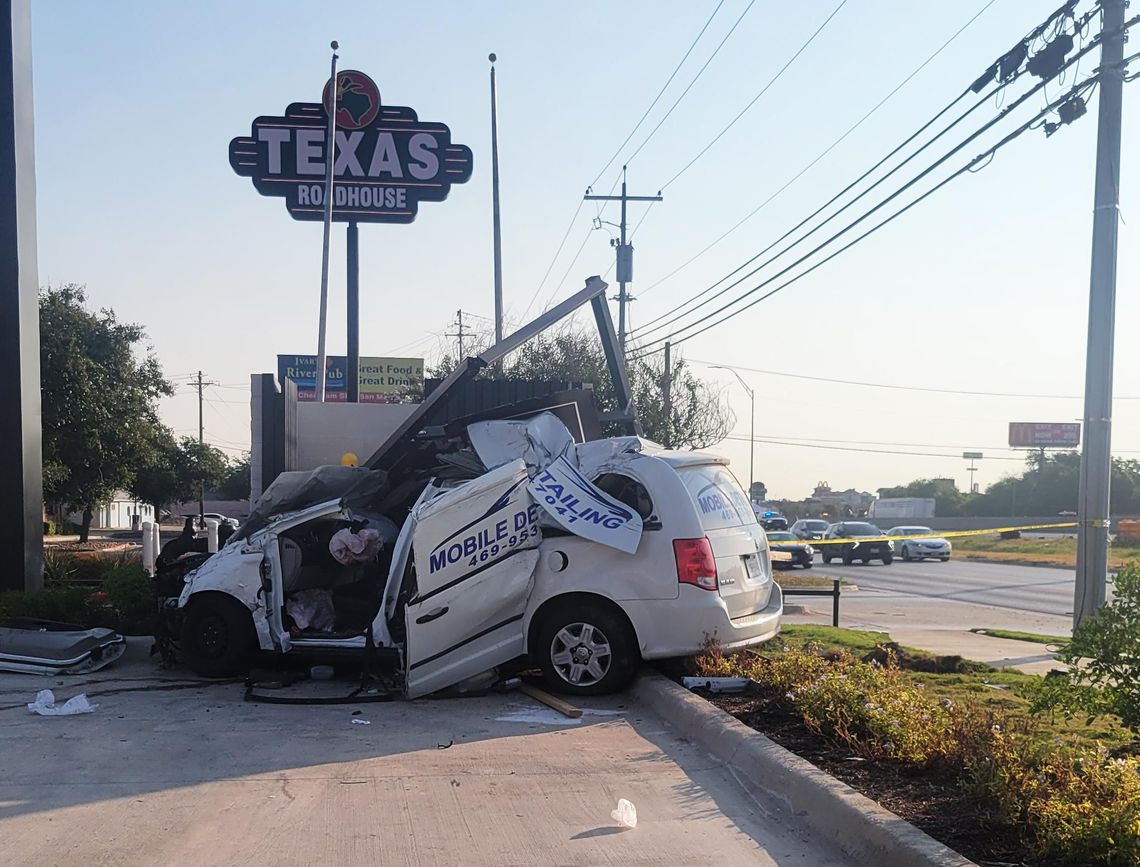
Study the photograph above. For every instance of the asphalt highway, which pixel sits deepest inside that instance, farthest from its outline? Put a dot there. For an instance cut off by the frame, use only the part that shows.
(1042, 590)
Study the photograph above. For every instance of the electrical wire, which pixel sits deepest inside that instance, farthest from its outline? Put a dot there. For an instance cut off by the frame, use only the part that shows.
(822, 153)
(929, 389)
(557, 253)
(651, 326)
(984, 155)
(660, 93)
(689, 86)
(1075, 90)
(957, 457)
(754, 99)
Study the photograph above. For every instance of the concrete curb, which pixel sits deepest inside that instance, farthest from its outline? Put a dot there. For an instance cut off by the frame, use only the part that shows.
(855, 823)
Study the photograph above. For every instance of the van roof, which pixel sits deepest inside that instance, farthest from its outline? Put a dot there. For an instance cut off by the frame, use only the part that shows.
(679, 459)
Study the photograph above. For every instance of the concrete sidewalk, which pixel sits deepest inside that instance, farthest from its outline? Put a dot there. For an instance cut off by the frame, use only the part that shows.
(944, 627)
(176, 772)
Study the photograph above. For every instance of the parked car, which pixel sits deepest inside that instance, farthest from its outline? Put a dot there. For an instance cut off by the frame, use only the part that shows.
(875, 548)
(215, 516)
(785, 541)
(921, 549)
(809, 529)
(481, 569)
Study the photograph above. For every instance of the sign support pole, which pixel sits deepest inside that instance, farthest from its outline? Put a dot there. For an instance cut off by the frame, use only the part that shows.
(352, 375)
(21, 480)
(330, 159)
(498, 235)
(1096, 456)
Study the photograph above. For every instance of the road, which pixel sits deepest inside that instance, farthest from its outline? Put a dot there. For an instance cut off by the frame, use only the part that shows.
(1039, 589)
(170, 771)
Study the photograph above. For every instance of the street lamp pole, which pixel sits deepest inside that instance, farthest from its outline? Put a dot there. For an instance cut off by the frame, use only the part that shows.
(752, 434)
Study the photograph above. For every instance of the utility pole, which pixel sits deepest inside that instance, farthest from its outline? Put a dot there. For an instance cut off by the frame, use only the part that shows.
(1096, 455)
(667, 391)
(459, 332)
(624, 252)
(200, 384)
(498, 235)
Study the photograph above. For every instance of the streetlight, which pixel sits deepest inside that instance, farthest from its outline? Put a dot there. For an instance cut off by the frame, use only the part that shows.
(752, 435)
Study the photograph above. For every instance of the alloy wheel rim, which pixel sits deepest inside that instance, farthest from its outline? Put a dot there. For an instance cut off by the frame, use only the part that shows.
(580, 653)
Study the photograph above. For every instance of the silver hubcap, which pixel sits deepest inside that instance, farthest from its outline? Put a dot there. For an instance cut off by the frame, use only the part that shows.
(581, 654)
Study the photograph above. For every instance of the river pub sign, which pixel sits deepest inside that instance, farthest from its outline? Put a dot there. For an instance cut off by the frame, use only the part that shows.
(387, 159)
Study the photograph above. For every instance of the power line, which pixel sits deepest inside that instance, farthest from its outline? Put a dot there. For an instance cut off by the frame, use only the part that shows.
(822, 153)
(660, 93)
(870, 451)
(992, 71)
(968, 167)
(689, 87)
(754, 99)
(557, 253)
(901, 387)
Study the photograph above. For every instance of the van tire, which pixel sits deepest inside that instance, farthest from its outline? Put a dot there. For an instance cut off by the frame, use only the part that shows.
(608, 626)
(218, 639)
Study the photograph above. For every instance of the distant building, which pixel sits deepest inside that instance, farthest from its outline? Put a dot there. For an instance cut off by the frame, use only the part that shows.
(839, 504)
(122, 512)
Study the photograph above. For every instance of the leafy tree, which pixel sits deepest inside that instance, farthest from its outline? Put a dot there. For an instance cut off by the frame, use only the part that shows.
(1049, 485)
(98, 398)
(173, 470)
(236, 484)
(700, 417)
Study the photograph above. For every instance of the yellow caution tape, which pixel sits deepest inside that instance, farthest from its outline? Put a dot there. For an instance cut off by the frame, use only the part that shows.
(949, 534)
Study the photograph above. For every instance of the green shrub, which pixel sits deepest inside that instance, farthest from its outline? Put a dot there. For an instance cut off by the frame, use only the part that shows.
(1103, 659)
(49, 528)
(59, 567)
(131, 596)
(1076, 805)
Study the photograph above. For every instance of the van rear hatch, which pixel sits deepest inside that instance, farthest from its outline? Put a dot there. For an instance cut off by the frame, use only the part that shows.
(744, 573)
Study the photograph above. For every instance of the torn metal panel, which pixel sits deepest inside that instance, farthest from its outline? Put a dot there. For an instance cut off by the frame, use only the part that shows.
(475, 550)
(43, 647)
(578, 506)
(538, 441)
(301, 489)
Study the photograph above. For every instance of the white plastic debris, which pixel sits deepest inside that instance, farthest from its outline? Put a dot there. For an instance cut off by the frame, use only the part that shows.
(625, 814)
(45, 704)
(361, 722)
(716, 684)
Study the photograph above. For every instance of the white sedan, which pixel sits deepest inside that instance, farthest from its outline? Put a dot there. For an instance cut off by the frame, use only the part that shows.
(920, 549)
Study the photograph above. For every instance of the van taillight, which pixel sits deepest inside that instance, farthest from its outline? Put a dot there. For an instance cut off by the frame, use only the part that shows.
(695, 563)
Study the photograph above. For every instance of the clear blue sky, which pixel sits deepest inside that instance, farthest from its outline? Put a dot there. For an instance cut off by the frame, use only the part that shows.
(983, 287)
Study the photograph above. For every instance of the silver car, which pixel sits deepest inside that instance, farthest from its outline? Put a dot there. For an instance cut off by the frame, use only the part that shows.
(933, 547)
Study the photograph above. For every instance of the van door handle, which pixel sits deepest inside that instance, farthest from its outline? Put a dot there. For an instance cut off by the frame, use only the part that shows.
(434, 614)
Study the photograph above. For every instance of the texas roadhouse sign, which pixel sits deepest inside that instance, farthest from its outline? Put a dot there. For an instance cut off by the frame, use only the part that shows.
(387, 159)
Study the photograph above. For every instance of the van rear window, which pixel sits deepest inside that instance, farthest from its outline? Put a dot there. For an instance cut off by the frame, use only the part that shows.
(719, 500)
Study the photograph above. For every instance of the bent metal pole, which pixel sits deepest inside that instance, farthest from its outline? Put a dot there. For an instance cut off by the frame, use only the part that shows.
(330, 144)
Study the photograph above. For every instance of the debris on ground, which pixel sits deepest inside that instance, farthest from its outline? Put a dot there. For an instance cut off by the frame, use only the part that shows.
(625, 814)
(45, 705)
(716, 684)
(563, 707)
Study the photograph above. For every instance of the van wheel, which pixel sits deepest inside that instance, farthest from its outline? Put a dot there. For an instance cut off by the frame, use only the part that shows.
(218, 639)
(586, 648)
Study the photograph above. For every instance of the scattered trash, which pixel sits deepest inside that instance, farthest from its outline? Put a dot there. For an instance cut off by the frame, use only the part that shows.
(45, 704)
(625, 814)
(445, 746)
(357, 712)
(716, 684)
(361, 722)
(322, 672)
(508, 684)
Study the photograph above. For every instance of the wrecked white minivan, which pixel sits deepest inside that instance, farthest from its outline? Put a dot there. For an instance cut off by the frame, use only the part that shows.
(459, 549)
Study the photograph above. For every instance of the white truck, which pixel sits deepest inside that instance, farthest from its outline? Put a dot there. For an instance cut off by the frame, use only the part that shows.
(902, 507)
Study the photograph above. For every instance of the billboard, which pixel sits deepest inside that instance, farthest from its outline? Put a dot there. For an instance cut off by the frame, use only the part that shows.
(387, 160)
(381, 379)
(387, 380)
(1044, 435)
